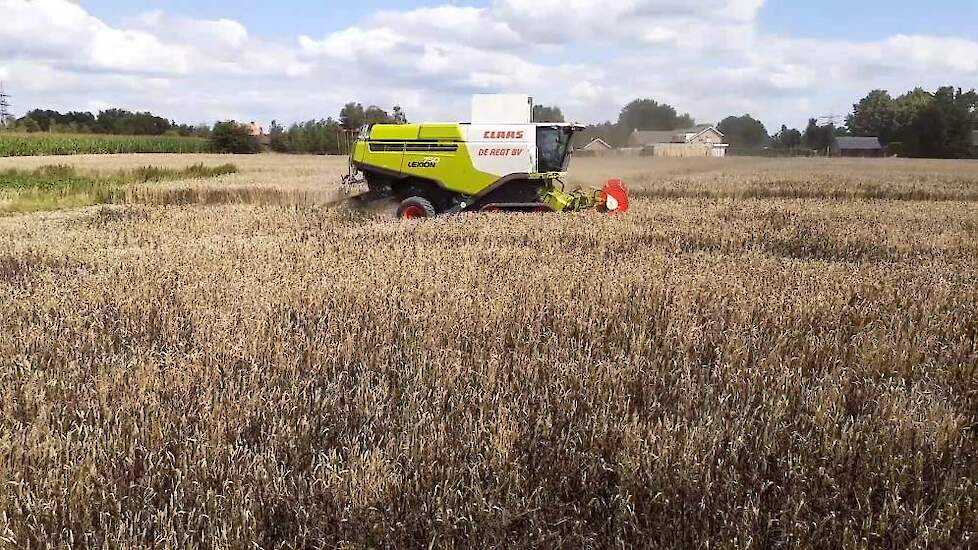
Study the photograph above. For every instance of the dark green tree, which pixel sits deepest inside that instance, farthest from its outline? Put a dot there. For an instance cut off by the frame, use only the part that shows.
(934, 125)
(788, 139)
(819, 138)
(231, 137)
(376, 115)
(648, 114)
(277, 138)
(543, 113)
(352, 116)
(744, 132)
(956, 113)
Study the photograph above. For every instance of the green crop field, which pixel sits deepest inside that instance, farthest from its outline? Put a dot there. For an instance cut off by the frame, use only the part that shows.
(26, 145)
(53, 187)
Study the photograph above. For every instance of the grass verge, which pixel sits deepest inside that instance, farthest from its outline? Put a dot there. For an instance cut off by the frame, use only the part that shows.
(59, 186)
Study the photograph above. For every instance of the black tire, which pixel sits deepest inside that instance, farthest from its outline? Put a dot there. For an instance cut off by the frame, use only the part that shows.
(416, 207)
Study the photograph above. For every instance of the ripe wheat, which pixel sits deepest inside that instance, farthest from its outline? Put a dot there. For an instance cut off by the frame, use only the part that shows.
(725, 369)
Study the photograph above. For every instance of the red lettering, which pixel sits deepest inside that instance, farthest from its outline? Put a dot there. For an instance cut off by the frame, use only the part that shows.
(500, 134)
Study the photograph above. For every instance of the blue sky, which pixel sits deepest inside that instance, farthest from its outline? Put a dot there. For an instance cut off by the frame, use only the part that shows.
(870, 19)
(293, 60)
(858, 20)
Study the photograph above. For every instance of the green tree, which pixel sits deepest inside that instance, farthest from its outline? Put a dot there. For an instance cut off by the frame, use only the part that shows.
(29, 125)
(908, 109)
(278, 139)
(819, 138)
(313, 137)
(352, 116)
(648, 114)
(231, 137)
(934, 125)
(744, 132)
(788, 139)
(542, 113)
(376, 115)
(956, 108)
(875, 115)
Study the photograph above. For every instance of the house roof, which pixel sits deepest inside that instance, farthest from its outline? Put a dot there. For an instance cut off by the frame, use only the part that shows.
(651, 137)
(599, 143)
(698, 129)
(704, 128)
(858, 143)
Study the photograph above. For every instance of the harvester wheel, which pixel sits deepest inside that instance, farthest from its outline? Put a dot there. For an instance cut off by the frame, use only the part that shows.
(416, 207)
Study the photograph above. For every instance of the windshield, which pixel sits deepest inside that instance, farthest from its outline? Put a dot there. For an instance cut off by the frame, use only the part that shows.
(553, 148)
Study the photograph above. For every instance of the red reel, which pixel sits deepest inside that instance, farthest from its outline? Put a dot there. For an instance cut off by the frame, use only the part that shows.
(616, 197)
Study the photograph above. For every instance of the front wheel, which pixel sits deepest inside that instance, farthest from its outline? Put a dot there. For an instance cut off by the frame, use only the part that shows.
(416, 207)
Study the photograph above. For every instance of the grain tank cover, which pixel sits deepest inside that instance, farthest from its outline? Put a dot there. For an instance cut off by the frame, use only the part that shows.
(440, 132)
(502, 109)
(394, 132)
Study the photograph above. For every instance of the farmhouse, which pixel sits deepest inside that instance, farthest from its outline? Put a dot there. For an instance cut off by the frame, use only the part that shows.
(700, 141)
(858, 147)
(596, 148)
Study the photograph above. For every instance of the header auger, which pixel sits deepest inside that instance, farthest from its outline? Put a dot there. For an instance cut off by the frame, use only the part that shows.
(510, 165)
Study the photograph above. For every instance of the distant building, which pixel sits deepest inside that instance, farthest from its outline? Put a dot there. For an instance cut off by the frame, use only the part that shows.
(259, 133)
(700, 141)
(598, 147)
(857, 147)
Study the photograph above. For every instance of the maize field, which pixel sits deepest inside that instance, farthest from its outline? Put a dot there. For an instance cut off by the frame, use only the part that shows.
(761, 353)
(24, 145)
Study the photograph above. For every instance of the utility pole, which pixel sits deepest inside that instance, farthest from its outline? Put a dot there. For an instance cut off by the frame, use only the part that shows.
(5, 115)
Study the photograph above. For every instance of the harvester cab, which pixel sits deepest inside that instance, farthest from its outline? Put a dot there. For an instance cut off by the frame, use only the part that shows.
(501, 161)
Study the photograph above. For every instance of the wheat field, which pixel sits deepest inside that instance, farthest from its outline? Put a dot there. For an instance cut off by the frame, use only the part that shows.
(761, 353)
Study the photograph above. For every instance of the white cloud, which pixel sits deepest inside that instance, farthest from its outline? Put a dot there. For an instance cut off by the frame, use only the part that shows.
(708, 57)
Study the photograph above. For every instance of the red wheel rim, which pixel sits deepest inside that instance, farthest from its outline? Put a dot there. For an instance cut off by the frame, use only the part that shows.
(413, 212)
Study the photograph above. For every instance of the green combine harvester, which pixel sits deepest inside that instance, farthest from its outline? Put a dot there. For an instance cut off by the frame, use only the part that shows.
(499, 162)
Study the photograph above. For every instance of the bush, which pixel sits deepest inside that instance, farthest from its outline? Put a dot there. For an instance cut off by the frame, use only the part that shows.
(231, 137)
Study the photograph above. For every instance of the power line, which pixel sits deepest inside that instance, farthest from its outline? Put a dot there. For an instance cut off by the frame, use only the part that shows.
(5, 115)
(838, 120)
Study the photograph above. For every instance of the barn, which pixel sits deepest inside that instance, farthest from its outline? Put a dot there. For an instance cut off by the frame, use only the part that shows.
(857, 147)
(700, 141)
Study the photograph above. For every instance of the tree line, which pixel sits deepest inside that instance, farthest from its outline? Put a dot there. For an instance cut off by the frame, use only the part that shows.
(109, 121)
(331, 136)
(919, 123)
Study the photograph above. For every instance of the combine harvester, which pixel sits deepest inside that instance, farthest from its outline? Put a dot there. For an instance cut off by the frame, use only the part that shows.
(501, 161)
